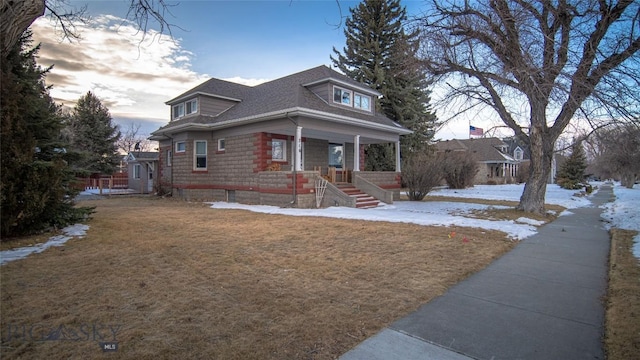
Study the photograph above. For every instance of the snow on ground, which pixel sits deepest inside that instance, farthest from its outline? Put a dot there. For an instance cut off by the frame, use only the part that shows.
(437, 212)
(624, 214)
(77, 230)
(555, 194)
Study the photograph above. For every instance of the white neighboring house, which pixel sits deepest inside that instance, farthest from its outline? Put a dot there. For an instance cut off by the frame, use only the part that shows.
(142, 167)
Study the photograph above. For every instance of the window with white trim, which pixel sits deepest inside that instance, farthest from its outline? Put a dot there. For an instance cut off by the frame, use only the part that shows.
(136, 171)
(518, 154)
(169, 154)
(278, 150)
(191, 106)
(342, 96)
(177, 111)
(181, 147)
(220, 144)
(362, 102)
(200, 154)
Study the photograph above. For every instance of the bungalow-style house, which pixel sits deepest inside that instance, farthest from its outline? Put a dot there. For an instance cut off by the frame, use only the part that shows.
(521, 152)
(141, 168)
(272, 143)
(496, 165)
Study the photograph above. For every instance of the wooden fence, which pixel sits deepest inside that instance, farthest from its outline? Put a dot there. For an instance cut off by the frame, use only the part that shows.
(117, 181)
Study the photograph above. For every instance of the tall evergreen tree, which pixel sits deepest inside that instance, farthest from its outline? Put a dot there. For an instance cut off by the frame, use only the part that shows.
(571, 173)
(93, 135)
(381, 54)
(35, 178)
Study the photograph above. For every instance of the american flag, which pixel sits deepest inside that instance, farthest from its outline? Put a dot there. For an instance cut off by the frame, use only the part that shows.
(475, 131)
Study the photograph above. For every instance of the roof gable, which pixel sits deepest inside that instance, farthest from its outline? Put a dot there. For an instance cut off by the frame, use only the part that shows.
(142, 156)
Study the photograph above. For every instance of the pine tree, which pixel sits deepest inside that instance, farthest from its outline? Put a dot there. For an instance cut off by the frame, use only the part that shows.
(93, 136)
(571, 173)
(35, 178)
(381, 55)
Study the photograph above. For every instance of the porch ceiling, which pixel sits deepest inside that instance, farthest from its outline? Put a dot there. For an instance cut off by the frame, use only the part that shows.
(333, 137)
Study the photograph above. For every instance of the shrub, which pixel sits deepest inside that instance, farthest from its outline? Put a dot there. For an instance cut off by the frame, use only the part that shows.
(421, 172)
(459, 169)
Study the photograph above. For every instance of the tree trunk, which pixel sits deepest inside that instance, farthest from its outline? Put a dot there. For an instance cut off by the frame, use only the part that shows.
(532, 199)
(15, 17)
(627, 179)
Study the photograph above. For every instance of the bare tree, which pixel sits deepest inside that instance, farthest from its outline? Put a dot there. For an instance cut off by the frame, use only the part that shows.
(131, 140)
(17, 15)
(537, 64)
(620, 153)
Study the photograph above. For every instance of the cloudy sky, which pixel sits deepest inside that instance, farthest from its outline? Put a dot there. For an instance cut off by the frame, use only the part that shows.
(242, 41)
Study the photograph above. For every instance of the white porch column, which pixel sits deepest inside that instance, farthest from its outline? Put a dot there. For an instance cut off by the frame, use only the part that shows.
(398, 169)
(298, 152)
(356, 153)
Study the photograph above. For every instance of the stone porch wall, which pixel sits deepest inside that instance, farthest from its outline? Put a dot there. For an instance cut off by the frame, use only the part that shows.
(388, 180)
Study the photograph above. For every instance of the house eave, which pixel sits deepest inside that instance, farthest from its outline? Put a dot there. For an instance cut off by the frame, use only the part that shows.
(296, 111)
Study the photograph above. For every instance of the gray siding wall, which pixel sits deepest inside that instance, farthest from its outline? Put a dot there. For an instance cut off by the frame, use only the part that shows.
(316, 153)
(213, 106)
(322, 90)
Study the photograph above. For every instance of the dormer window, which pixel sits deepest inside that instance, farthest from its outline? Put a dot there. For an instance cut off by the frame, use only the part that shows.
(178, 111)
(362, 102)
(191, 106)
(518, 154)
(185, 108)
(342, 96)
(349, 98)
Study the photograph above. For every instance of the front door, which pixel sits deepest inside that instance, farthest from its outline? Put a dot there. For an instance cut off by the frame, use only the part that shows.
(150, 178)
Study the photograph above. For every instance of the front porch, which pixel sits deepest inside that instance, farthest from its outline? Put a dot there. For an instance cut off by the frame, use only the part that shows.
(309, 189)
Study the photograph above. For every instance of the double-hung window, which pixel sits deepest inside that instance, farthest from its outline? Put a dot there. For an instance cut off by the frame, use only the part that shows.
(136, 171)
(200, 155)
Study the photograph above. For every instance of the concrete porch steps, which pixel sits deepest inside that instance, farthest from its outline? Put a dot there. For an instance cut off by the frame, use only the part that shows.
(363, 200)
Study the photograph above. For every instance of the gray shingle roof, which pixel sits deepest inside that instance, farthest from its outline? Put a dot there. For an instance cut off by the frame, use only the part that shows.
(484, 149)
(278, 95)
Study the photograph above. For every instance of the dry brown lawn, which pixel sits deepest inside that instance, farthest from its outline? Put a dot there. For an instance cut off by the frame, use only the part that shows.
(622, 338)
(179, 280)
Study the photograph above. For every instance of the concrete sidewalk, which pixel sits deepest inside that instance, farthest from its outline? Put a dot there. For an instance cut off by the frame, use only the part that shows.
(542, 300)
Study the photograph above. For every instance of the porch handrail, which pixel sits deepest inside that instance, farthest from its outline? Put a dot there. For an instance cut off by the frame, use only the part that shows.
(372, 189)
